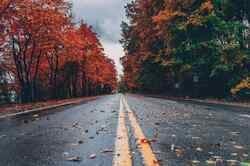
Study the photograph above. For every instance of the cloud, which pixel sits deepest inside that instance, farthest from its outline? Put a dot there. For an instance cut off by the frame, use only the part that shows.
(105, 16)
(114, 51)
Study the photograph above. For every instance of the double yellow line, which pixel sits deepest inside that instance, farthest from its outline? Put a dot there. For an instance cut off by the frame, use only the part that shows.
(122, 151)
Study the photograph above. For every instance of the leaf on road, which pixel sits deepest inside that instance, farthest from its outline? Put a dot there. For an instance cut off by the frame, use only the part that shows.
(75, 124)
(238, 147)
(232, 162)
(217, 157)
(80, 142)
(179, 152)
(235, 133)
(245, 155)
(234, 154)
(74, 158)
(2, 136)
(35, 116)
(92, 156)
(157, 123)
(172, 147)
(107, 151)
(66, 154)
(144, 141)
(74, 144)
(156, 162)
(211, 162)
(195, 162)
(199, 149)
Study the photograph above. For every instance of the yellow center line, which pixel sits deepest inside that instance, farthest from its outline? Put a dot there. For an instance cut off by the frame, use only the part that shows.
(122, 155)
(144, 146)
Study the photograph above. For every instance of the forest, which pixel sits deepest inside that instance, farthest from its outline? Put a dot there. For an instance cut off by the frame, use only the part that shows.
(45, 55)
(197, 48)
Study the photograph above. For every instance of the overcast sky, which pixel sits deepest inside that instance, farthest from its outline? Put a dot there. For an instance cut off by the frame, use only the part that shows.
(105, 16)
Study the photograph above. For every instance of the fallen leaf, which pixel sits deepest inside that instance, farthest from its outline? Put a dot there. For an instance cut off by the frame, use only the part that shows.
(245, 155)
(144, 141)
(80, 142)
(2, 136)
(75, 124)
(238, 147)
(92, 156)
(234, 154)
(195, 161)
(66, 154)
(74, 144)
(217, 157)
(107, 151)
(74, 158)
(172, 147)
(156, 162)
(232, 161)
(211, 162)
(234, 133)
(179, 152)
(35, 115)
(199, 149)
(157, 123)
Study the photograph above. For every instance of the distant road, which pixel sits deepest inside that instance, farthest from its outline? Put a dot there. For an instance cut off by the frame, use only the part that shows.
(124, 130)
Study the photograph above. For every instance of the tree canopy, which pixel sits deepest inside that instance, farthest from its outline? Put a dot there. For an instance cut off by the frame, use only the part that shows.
(48, 55)
(186, 47)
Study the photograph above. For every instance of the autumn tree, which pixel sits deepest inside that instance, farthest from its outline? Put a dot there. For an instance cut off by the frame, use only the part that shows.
(202, 47)
(48, 55)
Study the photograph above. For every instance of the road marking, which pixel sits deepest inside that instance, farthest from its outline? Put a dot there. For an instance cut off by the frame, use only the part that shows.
(122, 153)
(144, 147)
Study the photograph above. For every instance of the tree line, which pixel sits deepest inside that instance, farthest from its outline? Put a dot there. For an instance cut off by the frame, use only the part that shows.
(45, 55)
(195, 48)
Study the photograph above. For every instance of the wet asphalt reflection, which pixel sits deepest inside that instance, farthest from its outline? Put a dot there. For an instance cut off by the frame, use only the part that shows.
(180, 133)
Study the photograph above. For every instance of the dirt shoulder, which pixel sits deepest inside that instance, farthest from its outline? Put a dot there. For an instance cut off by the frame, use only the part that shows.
(10, 109)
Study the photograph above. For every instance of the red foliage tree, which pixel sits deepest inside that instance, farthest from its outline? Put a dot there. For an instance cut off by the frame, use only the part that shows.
(44, 51)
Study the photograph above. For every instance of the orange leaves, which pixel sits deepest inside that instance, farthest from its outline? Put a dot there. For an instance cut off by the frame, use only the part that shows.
(207, 7)
(44, 45)
(167, 16)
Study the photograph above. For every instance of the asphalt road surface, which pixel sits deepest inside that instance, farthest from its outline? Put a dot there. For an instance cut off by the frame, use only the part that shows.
(124, 130)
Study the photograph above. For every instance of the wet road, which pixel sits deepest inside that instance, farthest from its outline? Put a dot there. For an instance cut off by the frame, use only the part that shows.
(136, 130)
